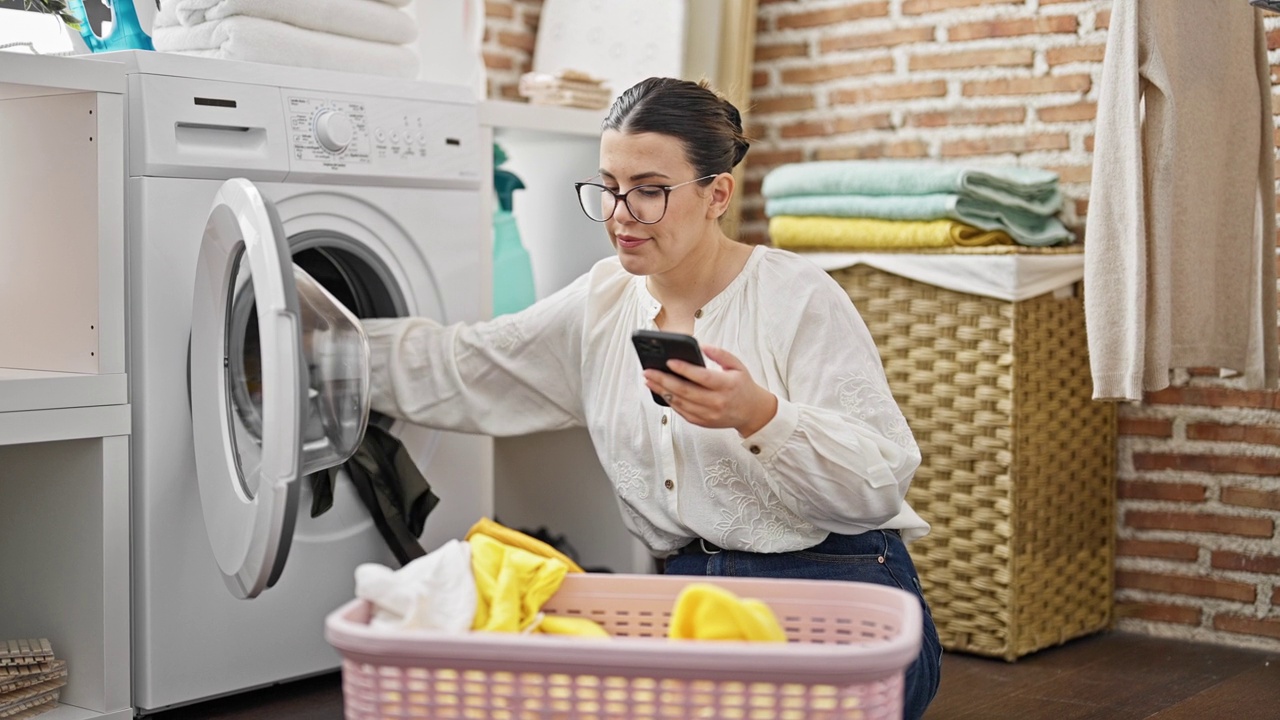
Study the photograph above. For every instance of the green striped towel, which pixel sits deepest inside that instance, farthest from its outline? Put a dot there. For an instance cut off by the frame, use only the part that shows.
(1033, 190)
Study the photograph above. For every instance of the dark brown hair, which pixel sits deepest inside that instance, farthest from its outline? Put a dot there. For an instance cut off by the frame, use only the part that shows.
(709, 127)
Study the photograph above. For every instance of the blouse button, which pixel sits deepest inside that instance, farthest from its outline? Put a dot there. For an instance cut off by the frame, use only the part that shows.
(697, 313)
(670, 484)
(755, 449)
(664, 419)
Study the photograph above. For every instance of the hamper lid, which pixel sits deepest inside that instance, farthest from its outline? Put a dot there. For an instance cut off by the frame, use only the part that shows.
(1010, 276)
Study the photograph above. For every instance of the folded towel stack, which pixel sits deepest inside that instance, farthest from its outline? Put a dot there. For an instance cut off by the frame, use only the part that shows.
(363, 36)
(868, 204)
(567, 87)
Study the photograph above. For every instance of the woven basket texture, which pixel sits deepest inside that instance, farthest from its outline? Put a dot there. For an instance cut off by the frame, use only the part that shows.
(1017, 478)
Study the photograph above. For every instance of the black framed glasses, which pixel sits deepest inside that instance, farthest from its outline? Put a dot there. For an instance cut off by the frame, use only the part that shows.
(646, 203)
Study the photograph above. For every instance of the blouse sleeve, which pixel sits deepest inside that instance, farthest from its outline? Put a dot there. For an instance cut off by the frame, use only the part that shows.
(512, 375)
(838, 452)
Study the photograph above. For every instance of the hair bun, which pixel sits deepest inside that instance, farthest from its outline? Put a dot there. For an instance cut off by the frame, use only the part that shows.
(735, 117)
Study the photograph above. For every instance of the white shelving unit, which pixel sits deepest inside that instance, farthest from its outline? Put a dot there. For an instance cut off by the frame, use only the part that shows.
(554, 479)
(548, 120)
(64, 412)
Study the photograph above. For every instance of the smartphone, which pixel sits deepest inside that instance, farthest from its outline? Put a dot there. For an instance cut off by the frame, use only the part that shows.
(655, 348)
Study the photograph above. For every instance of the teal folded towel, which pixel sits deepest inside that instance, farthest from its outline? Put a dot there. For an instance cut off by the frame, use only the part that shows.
(1024, 227)
(1034, 190)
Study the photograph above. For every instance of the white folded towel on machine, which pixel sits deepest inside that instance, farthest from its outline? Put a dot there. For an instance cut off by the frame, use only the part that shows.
(363, 19)
(253, 39)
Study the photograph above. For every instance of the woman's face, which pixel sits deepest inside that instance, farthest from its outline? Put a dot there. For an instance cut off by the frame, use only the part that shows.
(631, 159)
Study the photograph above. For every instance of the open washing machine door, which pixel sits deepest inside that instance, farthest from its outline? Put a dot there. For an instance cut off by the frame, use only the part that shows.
(279, 375)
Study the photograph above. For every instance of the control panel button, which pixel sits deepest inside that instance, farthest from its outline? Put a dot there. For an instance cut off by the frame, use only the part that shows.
(333, 130)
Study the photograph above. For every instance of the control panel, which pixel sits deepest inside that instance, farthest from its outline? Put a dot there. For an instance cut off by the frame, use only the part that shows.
(390, 138)
(191, 127)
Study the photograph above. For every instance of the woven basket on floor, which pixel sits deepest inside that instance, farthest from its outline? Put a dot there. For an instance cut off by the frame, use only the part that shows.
(1017, 476)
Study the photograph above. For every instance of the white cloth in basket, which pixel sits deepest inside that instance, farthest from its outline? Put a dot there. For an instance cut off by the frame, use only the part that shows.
(253, 39)
(434, 592)
(360, 19)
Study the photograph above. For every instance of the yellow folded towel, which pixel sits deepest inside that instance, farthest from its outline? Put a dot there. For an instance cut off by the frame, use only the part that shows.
(707, 612)
(821, 232)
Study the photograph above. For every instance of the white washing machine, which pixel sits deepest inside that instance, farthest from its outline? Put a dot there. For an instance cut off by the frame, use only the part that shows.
(378, 190)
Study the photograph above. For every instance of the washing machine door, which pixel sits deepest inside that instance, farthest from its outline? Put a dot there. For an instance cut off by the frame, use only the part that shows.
(279, 385)
(247, 388)
(248, 385)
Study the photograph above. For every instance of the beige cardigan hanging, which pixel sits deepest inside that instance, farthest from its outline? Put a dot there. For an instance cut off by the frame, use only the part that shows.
(1180, 237)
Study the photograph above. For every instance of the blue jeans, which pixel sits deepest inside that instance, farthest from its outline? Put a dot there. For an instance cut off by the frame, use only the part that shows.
(839, 557)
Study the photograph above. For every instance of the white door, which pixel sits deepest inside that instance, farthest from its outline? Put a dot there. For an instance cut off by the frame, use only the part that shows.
(247, 386)
(279, 384)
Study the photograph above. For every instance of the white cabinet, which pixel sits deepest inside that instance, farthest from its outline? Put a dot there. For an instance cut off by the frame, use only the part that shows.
(64, 526)
(64, 412)
(554, 479)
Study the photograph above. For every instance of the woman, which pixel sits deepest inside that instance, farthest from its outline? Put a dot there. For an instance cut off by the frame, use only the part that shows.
(785, 457)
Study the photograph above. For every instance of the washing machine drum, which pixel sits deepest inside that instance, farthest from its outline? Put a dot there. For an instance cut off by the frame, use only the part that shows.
(279, 385)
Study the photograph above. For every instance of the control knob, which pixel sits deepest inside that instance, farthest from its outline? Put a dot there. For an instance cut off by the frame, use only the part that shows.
(333, 130)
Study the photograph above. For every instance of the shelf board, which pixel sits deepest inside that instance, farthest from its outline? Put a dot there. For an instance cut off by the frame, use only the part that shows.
(507, 115)
(23, 390)
(25, 75)
(77, 423)
(71, 712)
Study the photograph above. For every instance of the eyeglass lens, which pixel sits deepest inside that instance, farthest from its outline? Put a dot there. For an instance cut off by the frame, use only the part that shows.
(646, 203)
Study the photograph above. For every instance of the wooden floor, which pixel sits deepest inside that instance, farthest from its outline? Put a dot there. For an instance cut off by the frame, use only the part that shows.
(1113, 676)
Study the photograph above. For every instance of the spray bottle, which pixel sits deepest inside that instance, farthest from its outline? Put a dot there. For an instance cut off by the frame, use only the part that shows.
(126, 31)
(512, 271)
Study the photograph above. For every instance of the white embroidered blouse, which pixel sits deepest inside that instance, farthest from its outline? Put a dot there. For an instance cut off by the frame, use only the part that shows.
(837, 457)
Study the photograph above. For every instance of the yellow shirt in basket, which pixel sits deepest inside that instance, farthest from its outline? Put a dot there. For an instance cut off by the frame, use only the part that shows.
(707, 612)
(515, 574)
(515, 538)
(511, 584)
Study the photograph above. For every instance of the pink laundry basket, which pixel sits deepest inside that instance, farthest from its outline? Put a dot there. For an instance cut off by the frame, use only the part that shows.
(850, 644)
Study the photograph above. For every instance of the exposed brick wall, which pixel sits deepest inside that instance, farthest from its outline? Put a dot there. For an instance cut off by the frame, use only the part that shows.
(511, 27)
(1016, 81)
(1199, 486)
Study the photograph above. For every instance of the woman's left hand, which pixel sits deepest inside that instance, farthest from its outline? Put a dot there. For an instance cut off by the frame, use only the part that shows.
(725, 398)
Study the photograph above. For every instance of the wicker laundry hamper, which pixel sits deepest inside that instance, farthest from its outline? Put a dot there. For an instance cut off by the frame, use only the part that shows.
(1017, 477)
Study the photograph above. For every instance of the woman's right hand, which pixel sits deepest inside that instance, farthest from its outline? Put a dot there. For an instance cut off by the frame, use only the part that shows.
(707, 397)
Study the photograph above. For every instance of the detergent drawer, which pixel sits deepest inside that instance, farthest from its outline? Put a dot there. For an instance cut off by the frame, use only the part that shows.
(195, 128)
